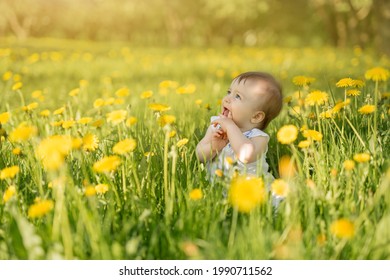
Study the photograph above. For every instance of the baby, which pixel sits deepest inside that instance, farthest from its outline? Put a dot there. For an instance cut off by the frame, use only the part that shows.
(252, 101)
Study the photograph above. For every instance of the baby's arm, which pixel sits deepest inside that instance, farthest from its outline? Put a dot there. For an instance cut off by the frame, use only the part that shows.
(211, 144)
(247, 150)
(203, 149)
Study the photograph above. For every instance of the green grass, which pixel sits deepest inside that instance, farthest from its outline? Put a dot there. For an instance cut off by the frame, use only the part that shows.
(147, 212)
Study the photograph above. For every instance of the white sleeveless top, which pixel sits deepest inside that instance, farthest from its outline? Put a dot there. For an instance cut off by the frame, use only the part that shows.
(258, 168)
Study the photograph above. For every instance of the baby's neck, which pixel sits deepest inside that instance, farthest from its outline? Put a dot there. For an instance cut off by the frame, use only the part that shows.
(247, 128)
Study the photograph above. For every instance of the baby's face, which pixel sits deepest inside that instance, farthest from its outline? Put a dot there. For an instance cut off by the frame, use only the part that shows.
(242, 101)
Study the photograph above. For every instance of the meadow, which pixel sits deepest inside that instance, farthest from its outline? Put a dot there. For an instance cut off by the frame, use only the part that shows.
(98, 154)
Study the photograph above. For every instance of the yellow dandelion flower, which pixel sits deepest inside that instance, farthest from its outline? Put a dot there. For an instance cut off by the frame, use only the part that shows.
(280, 187)
(9, 193)
(182, 142)
(17, 78)
(77, 143)
(4, 117)
(385, 95)
(377, 74)
(246, 193)
(7, 76)
(84, 120)
(30, 106)
(219, 172)
(316, 97)
(40, 208)
(109, 101)
(98, 103)
(83, 83)
(188, 89)
(90, 191)
(149, 154)
(304, 144)
(349, 165)
(353, 92)
(367, 109)
(343, 228)
(358, 83)
(198, 101)
(311, 115)
(124, 146)
(22, 133)
(37, 94)
(52, 151)
(101, 188)
(159, 107)
(287, 99)
(146, 94)
(196, 194)
(9, 172)
(327, 114)
(68, 124)
(229, 160)
(74, 92)
(333, 172)
(119, 101)
(59, 111)
(312, 134)
(107, 164)
(340, 105)
(172, 133)
(98, 123)
(58, 123)
(166, 119)
(296, 110)
(17, 86)
(131, 121)
(122, 92)
(287, 134)
(165, 84)
(346, 82)
(116, 117)
(90, 142)
(302, 80)
(17, 151)
(45, 113)
(362, 157)
(287, 167)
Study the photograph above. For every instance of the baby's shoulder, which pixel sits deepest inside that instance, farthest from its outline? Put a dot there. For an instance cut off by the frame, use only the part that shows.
(255, 132)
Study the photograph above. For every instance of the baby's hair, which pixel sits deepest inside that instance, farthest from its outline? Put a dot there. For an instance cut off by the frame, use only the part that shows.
(273, 99)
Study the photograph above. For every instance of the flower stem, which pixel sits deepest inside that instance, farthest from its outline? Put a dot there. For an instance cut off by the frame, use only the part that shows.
(375, 129)
(233, 228)
(166, 193)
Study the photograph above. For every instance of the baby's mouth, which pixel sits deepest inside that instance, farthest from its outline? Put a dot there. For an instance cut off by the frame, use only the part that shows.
(225, 112)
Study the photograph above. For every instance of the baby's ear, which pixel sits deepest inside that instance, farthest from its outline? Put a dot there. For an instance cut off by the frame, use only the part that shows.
(258, 117)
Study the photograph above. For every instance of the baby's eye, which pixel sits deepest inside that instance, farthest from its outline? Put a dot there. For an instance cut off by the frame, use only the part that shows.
(237, 96)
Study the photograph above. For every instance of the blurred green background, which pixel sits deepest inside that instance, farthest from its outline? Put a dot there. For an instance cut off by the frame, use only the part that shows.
(175, 23)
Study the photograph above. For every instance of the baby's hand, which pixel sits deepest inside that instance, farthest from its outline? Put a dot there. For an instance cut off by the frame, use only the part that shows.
(218, 140)
(223, 122)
